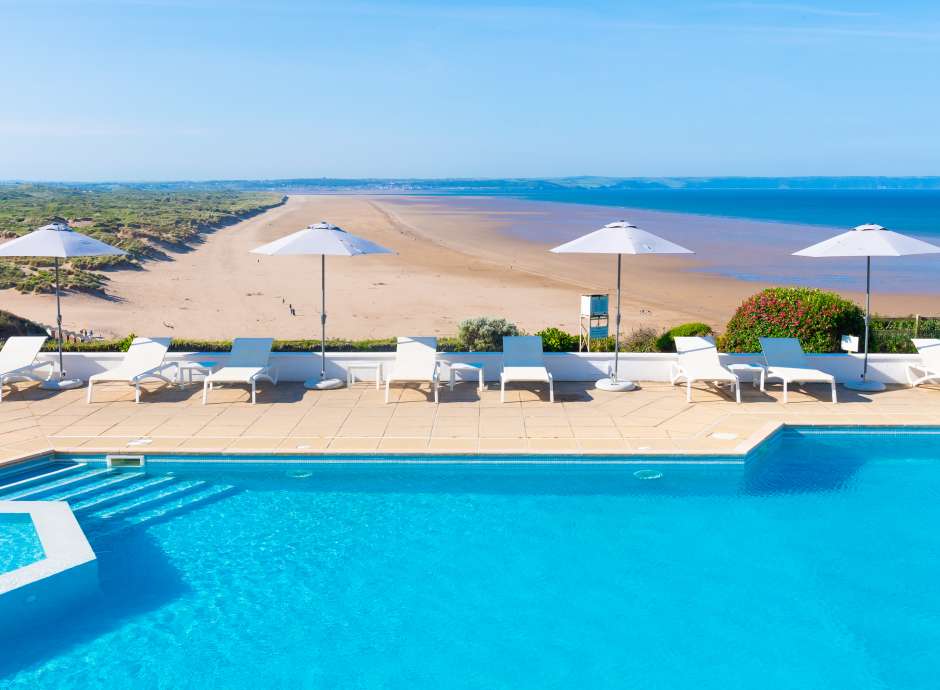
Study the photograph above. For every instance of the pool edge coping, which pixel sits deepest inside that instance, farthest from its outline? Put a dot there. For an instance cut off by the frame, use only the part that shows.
(744, 448)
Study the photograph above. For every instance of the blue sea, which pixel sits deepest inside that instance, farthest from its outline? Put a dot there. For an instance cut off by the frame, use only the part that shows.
(911, 211)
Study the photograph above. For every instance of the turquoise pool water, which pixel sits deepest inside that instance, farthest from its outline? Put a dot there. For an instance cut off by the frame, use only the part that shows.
(815, 565)
(19, 543)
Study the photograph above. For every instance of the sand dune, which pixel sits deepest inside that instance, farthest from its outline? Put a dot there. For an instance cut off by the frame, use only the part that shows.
(450, 264)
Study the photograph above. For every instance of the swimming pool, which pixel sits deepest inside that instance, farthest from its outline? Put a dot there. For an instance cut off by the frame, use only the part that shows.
(19, 542)
(813, 565)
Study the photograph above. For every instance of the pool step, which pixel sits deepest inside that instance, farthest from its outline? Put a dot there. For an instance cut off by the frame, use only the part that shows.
(111, 497)
(93, 489)
(28, 468)
(175, 503)
(37, 493)
(16, 489)
(147, 499)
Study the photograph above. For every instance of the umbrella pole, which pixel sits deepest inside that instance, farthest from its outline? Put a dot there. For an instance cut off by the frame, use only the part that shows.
(58, 318)
(867, 313)
(617, 331)
(322, 316)
(613, 382)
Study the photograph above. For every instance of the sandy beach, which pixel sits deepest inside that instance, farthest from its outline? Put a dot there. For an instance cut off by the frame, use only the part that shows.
(455, 258)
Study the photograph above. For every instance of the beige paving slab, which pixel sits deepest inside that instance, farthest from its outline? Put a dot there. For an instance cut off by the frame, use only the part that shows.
(403, 444)
(454, 445)
(354, 444)
(302, 444)
(507, 445)
(655, 419)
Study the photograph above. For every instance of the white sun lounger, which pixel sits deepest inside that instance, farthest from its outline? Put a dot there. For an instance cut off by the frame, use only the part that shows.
(144, 360)
(247, 363)
(415, 361)
(787, 362)
(523, 361)
(18, 359)
(929, 367)
(698, 361)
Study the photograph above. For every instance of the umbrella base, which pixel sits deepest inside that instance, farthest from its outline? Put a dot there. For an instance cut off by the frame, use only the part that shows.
(614, 385)
(61, 384)
(319, 384)
(865, 386)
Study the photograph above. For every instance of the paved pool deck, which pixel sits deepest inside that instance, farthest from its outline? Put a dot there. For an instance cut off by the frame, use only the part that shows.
(655, 419)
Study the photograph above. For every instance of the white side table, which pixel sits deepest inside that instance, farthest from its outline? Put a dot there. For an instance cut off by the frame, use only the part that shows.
(203, 368)
(465, 370)
(756, 371)
(374, 367)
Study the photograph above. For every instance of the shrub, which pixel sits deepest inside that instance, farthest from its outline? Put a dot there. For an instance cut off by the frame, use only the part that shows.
(484, 334)
(667, 343)
(640, 340)
(816, 317)
(894, 334)
(11, 324)
(556, 340)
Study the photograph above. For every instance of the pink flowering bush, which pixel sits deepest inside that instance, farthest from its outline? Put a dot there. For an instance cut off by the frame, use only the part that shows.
(816, 317)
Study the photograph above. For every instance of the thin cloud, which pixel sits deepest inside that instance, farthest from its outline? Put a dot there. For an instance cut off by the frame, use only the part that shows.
(796, 9)
(69, 130)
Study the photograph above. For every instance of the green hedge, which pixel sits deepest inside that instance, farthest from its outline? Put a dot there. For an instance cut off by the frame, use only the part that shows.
(816, 317)
(894, 334)
(667, 341)
(190, 345)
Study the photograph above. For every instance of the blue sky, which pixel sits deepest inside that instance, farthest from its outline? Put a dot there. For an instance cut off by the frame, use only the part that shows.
(177, 89)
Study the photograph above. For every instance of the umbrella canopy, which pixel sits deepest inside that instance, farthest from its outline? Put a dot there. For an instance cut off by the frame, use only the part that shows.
(619, 238)
(869, 240)
(321, 238)
(57, 240)
(325, 240)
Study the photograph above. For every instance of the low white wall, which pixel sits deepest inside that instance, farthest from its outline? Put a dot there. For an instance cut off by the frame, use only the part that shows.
(565, 366)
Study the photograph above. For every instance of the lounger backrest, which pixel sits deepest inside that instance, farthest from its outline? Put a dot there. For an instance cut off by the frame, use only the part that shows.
(250, 352)
(20, 351)
(522, 351)
(929, 350)
(783, 352)
(416, 354)
(697, 352)
(145, 354)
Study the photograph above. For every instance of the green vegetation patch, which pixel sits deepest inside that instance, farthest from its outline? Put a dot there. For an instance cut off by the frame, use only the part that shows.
(818, 318)
(145, 223)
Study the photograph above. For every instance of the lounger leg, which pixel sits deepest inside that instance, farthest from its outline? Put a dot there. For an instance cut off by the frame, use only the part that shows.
(253, 391)
(137, 392)
(834, 400)
(88, 397)
(502, 389)
(737, 391)
(688, 390)
(786, 393)
(205, 390)
(436, 382)
(551, 388)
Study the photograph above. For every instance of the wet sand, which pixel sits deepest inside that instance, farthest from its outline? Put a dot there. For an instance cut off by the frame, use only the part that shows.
(455, 258)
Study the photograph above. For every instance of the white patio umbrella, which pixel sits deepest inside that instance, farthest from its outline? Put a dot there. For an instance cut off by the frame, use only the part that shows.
(326, 240)
(59, 241)
(619, 238)
(868, 241)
